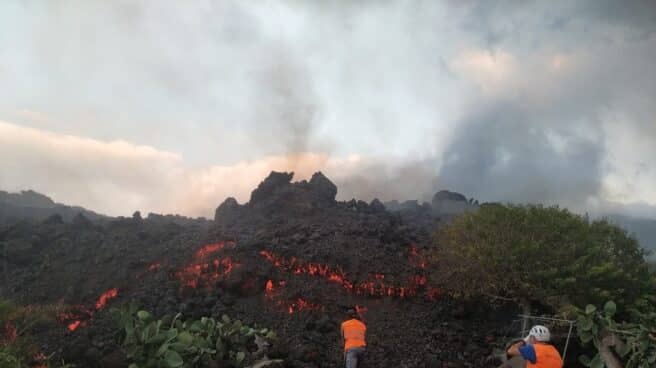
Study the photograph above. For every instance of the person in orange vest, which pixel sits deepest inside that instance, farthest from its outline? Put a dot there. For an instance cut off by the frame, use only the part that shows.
(353, 337)
(536, 350)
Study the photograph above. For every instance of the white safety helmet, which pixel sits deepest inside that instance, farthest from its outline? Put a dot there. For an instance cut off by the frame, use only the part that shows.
(541, 333)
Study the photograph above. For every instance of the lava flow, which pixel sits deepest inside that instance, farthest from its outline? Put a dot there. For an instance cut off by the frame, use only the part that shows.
(374, 287)
(270, 287)
(296, 267)
(79, 315)
(296, 305)
(416, 257)
(204, 270)
(104, 297)
(301, 304)
(210, 248)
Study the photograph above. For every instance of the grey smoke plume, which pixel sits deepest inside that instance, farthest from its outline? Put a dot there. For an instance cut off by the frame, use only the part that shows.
(285, 108)
(504, 154)
(533, 101)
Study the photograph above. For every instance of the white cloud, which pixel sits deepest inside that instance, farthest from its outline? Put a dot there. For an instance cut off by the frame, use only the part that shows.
(236, 87)
(119, 177)
(630, 171)
(491, 71)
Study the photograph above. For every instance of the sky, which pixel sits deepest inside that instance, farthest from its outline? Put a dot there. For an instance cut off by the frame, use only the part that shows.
(171, 107)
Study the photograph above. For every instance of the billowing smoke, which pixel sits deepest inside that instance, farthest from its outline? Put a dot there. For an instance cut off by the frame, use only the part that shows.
(504, 154)
(284, 108)
(173, 107)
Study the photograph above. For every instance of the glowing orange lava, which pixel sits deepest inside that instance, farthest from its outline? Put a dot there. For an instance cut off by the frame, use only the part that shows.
(375, 287)
(270, 287)
(301, 304)
(209, 249)
(416, 257)
(104, 297)
(73, 325)
(296, 267)
(76, 316)
(297, 305)
(205, 270)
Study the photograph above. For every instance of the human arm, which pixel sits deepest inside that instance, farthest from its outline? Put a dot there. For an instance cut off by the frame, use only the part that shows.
(513, 350)
(526, 351)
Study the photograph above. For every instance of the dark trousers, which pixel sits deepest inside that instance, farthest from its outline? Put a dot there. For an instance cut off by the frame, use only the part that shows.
(354, 357)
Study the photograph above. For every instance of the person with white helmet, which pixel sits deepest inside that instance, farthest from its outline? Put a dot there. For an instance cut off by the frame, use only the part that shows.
(536, 350)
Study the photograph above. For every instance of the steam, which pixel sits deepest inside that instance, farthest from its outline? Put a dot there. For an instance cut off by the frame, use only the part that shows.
(285, 109)
(531, 102)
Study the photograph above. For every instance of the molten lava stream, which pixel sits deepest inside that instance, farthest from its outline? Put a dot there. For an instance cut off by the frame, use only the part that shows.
(376, 287)
(104, 297)
(75, 319)
(297, 305)
(209, 249)
(301, 304)
(416, 257)
(206, 272)
(74, 325)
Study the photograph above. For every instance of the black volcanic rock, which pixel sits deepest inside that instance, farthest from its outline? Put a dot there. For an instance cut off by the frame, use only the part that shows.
(55, 219)
(293, 234)
(27, 198)
(32, 205)
(377, 206)
(323, 187)
(81, 221)
(277, 196)
(272, 184)
(226, 210)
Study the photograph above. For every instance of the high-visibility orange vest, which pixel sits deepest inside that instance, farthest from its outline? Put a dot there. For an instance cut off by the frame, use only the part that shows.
(353, 332)
(546, 356)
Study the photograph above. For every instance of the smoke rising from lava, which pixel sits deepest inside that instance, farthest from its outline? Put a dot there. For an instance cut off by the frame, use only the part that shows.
(533, 102)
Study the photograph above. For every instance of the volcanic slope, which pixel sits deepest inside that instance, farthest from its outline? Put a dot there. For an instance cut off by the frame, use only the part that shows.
(292, 258)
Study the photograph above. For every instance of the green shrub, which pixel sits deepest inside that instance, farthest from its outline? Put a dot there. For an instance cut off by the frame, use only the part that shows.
(546, 255)
(9, 360)
(18, 350)
(172, 343)
(632, 344)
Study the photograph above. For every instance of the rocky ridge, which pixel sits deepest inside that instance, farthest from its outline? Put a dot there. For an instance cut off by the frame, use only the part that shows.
(292, 258)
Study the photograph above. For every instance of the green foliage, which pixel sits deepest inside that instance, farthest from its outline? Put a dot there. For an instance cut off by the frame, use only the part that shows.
(540, 254)
(173, 343)
(8, 359)
(633, 343)
(17, 351)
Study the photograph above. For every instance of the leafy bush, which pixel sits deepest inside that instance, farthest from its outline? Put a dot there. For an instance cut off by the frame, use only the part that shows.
(628, 344)
(173, 343)
(16, 347)
(541, 254)
(8, 359)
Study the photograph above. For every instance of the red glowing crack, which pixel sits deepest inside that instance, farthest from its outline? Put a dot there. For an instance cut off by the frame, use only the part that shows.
(77, 318)
(375, 287)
